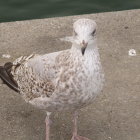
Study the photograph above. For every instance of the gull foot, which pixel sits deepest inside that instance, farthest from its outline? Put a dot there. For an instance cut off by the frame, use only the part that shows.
(79, 138)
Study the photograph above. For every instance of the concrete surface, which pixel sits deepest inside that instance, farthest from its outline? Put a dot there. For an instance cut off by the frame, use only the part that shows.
(115, 114)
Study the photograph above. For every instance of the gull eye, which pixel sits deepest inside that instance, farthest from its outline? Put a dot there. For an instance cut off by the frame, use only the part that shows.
(93, 33)
(75, 33)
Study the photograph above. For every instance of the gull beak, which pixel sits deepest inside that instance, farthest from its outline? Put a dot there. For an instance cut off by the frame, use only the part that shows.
(84, 46)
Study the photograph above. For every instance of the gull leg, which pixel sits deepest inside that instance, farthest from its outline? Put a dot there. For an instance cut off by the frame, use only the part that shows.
(47, 121)
(75, 135)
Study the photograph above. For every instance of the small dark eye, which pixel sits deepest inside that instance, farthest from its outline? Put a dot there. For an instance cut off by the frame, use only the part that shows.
(93, 33)
(75, 33)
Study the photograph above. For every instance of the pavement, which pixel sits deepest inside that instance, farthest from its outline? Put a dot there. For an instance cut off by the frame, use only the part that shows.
(114, 115)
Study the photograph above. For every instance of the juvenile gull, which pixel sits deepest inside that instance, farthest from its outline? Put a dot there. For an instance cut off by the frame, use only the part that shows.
(60, 81)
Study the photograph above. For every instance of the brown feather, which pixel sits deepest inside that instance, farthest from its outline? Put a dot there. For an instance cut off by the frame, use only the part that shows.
(6, 76)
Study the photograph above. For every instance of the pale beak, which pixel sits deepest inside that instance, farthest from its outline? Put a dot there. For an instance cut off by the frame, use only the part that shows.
(84, 46)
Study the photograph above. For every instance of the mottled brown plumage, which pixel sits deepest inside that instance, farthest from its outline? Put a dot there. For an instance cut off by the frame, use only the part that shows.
(65, 80)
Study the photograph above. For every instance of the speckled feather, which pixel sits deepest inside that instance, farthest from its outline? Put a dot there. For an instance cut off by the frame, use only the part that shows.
(58, 81)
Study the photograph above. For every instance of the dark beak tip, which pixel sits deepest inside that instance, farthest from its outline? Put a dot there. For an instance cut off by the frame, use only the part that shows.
(83, 50)
(84, 46)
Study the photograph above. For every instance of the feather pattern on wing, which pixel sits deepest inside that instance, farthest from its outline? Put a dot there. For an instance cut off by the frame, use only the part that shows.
(29, 72)
(65, 80)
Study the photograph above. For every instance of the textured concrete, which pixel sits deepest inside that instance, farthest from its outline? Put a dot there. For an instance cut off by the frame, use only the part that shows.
(115, 114)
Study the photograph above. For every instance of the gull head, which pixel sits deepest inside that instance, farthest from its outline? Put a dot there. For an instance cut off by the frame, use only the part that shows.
(84, 32)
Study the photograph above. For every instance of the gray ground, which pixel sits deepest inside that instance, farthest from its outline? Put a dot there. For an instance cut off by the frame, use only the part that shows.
(115, 114)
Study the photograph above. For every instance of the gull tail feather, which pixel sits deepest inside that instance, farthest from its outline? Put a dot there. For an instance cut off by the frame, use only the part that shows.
(10, 70)
(6, 76)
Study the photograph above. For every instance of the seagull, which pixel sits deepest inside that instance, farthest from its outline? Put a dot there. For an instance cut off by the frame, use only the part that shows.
(67, 80)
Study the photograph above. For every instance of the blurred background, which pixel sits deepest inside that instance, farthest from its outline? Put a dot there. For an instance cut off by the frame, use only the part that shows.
(12, 10)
